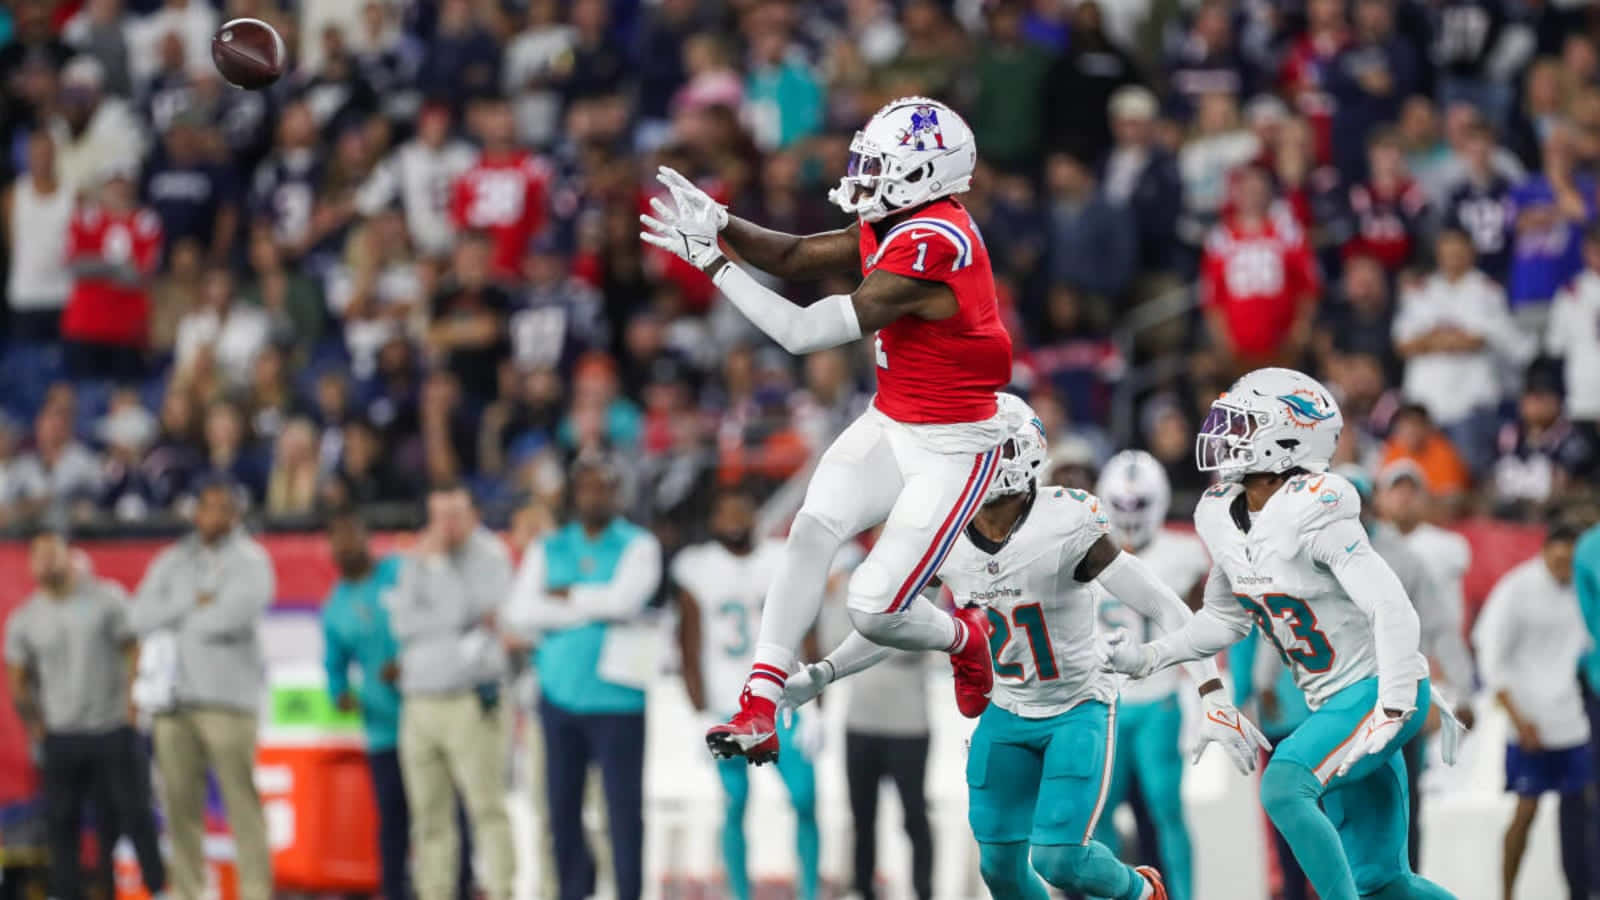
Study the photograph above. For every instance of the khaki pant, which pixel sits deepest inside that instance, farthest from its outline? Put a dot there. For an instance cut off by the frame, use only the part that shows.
(189, 741)
(448, 743)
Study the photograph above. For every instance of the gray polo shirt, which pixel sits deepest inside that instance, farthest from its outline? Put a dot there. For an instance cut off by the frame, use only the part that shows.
(75, 647)
(436, 603)
(891, 698)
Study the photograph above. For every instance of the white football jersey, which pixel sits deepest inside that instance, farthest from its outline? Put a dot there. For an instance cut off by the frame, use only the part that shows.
(1180, 561)
(1043, 621)
(1314, 626)
(730, 590)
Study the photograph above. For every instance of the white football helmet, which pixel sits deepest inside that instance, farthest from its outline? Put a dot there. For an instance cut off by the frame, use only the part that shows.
(1022, 455)
(911, 151)
(1135, 490)
(1270, 420)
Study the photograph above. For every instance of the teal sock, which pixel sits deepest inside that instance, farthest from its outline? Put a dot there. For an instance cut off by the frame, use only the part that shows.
(1087, 869)
(1289, 793)
(1411, 887)
(1006, 872)
(800, 779)
(736, 787)
(808, 845)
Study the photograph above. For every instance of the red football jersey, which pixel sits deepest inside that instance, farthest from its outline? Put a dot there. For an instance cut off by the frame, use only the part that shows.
(946, 371)
(1385, 219)
(104, 310)
(1256, 278)
(504, 197)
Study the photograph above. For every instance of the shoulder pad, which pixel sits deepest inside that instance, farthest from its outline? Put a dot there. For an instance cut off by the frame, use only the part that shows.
(924, 247)
(1308, 503)
(1214, 513)
(1066, 510)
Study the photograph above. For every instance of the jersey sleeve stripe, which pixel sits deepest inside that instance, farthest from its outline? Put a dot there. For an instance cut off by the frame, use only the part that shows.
(984, 467)
(951, 233)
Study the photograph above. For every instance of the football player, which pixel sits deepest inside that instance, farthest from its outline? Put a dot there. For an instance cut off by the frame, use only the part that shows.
(921, 459)
(1290, 555)
(1037, 563)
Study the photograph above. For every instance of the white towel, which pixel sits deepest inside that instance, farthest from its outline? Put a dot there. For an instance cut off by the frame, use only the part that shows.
(155, 683)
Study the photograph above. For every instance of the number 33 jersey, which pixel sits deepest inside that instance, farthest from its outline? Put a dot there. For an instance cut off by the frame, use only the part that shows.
(1272, 581)
(729, 590)
(1042, 621)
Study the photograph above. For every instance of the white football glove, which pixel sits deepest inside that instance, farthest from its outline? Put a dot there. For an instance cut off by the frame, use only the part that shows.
(808, 735)
(687, 228)
(1221, 724)
(806, 683)
(1377, 731)
(1130, 658)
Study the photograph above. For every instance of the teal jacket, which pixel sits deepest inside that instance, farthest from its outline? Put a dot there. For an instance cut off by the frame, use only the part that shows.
(608, 580)
(1586, 577)
(355, 630)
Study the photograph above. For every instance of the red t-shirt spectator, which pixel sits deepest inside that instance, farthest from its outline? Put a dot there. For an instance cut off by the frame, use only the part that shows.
(504, 195)
(1384, 218)
(1257, 277)
(105, 309)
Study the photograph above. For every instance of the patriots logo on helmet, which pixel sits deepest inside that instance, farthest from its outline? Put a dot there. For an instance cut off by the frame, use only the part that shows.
(1304, 409)
(924, 124)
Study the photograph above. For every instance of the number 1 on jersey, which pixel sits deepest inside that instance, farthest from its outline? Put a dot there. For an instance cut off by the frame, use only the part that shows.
(922, 256)
(877, 349)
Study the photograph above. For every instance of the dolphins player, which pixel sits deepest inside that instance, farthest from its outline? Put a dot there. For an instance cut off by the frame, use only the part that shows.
(1290, 555)
(1136, 494)
(1038, 562)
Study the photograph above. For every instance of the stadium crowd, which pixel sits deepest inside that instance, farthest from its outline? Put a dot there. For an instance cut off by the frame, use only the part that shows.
(413, 264)
(417, 252)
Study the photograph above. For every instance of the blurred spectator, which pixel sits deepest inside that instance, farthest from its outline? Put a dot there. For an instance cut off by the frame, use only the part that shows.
(113, 247)
(126, 431)
(504, 194)
(365, 475)
(93, 133)
(32, 40)
(1358, 378)
(292, 481)
(1073, 356)
(1530, 639)
(443, 614)
(1417, 448)
(784, 99)
(1207, 60)
(1217, 145)
(598, 63)
(57, 474)
(1466, 38)
(1307, 70)
(1359, 318)
(1008, 99)
(1452, 330)
(412, 176)
(37, 212)
(1093, 241)
(191, 22)
(379, 290)
(388, 59)
(578, 591)
(467, 329)
(462, 59)
(222, 329)
(1540, 454)
(202, 600)
(558, 316)
(227, 454)
(1079, 86)
(1371, 77)
(69, 654)
(448, 436)
(1258, 281)
(1405, 506)
(174, 292)
(338, 92)
(1388, 208)
(932, 59)
(1544, 98)
(599, 416)
(194, 197)
(1552, 209)
(1479, 203)
(1428, 158)
(283, 194)
(1574, 337)
(886, 739)
(271, 399)
(537, 55)
(389, 398)
(1141, 175)
(177, 455)
(522, 421)
(332, 408)
(1169, 435)
(288, 296)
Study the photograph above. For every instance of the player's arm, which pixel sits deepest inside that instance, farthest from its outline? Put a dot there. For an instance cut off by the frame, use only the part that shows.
(1219, 624)
(1135, 584)
(689, 640)
(1495, 635)
(794, 257)
(1343, 548)
(854, 654)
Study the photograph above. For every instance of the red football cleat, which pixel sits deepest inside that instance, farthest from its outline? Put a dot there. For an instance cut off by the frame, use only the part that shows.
(974, 673)
(1158, 888)
(752, 732)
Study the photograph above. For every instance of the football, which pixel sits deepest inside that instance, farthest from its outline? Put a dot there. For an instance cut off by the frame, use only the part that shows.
(249, 53)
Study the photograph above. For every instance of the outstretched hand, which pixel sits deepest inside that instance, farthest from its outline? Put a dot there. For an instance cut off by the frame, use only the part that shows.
(687, 228)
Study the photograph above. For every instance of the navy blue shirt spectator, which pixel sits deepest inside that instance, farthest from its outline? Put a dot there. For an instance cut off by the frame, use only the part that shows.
(194, 197)
(462, 59)
(658, 55)
(1093, 242)
(1079, 86)
(1370, 80)
(1142, 175)
(1207, 60)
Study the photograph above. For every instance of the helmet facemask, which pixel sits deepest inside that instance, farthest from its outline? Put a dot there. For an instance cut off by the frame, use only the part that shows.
(1022, 456)
(1226, 440)
(1132, 519)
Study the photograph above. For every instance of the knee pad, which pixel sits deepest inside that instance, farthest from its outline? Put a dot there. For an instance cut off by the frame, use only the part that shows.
(871, 589)
(1060, 864)
(877, 627)
(1286, 787)
(1003, 867)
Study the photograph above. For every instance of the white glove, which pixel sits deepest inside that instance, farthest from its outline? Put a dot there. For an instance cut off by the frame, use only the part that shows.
(1220, 723)
(805, 684)
(1377, 731)
(808, 735)
(687, 229)
(1128, 657)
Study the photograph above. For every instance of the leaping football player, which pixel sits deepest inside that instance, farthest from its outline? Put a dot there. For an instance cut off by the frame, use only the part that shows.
(1290, 555)
(923, 455)
(1037, 562)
